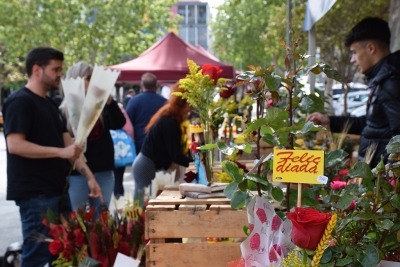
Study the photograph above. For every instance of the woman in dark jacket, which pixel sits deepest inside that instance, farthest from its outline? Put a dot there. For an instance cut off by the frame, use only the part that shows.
(99, 146)
(162, 148)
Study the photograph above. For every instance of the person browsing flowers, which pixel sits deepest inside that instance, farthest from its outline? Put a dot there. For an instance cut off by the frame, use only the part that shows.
(100, 149)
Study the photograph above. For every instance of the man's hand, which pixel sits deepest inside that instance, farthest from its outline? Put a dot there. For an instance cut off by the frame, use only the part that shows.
(95, 190)
(71, 152)
(319, 119)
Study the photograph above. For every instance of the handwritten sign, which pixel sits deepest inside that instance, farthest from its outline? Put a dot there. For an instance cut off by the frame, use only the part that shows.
(298, 166)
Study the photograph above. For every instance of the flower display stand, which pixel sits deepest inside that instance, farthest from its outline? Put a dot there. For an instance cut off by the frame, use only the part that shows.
(218, 168)
(171, 217)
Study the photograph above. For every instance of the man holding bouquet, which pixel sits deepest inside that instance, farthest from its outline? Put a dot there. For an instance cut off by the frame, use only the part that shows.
(38, 144)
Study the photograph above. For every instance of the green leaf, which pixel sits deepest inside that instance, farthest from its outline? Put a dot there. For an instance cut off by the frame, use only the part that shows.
(335, 157)
(288, 82)
(225, 148)
(306, 103)
(361, 169)
(266, 130)
(306, 127)
(343, 262)
(370, 257)
(365, 216)
(273, 82)
(268, 138)
(246, 230)
(295, 56)
(254, 125)
(327, 256)
(369, 184)
(248, 148)
(317, 105)
(230, 190)
(345, 201)
(245, 75)
(232, 169)
(243, 186)
(238, 199)
(394, 145)
(208, 146)
(51, 217)
(275, 115)
(330, 72)
(395, 201)
(385, 224)
(307, 201)
(307, 69)
(251, 185)
(256, 178)
(277, 193)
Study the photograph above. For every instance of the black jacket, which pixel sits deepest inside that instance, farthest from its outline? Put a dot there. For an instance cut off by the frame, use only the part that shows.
(163, 144)
(382, 121)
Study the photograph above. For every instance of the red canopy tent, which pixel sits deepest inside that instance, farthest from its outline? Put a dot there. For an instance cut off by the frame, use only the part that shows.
(167, 59)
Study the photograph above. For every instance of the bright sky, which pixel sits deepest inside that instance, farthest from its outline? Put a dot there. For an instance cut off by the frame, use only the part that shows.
(213, 4)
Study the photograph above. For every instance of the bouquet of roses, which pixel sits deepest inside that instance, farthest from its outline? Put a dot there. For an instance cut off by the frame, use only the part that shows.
(80, 238)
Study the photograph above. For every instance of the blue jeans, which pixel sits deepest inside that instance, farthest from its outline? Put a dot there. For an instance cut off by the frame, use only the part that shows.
(34, 253)
(79, 189)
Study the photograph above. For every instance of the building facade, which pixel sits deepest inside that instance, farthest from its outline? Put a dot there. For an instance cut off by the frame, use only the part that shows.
(193, 26)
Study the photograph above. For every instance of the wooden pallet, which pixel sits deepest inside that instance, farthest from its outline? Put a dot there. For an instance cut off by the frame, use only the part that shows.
(169, 218)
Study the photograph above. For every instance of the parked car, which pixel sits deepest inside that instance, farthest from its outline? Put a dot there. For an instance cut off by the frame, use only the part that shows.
(354, 87)
(360, 111)
(354, 100)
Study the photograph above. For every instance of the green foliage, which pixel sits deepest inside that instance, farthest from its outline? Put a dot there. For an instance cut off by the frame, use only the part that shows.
(95, 31)
(236, 30)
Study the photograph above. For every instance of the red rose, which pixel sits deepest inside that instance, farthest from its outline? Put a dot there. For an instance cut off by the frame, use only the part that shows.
(261, 215)
(72, 215)
(337, 178)
(56, 230)
(337, 185)
(255, 241)
(228, 91)
(276, 223)
(212, 71)
(56, 247)
(343, 172)
(308, 227)
(79, 238)
(257, 84)
(352, 205)
(44, 222)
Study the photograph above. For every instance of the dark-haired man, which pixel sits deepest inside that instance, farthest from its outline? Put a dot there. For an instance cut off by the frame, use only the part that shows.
(38, 145)
(142, 107)
(369, 43)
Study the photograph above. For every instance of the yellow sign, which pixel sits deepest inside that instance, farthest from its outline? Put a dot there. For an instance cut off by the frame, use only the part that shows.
(299, 166)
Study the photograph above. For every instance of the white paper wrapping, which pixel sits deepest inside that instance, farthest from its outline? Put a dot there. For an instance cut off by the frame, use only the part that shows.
(100, 86)
(270, 238)
(74, 91)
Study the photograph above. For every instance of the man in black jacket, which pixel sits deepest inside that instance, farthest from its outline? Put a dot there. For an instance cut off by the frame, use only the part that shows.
(369, 43)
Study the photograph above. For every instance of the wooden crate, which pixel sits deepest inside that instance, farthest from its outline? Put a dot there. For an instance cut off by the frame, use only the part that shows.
(170, 217)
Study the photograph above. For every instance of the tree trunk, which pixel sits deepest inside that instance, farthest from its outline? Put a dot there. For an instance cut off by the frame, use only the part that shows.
(394, 24)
